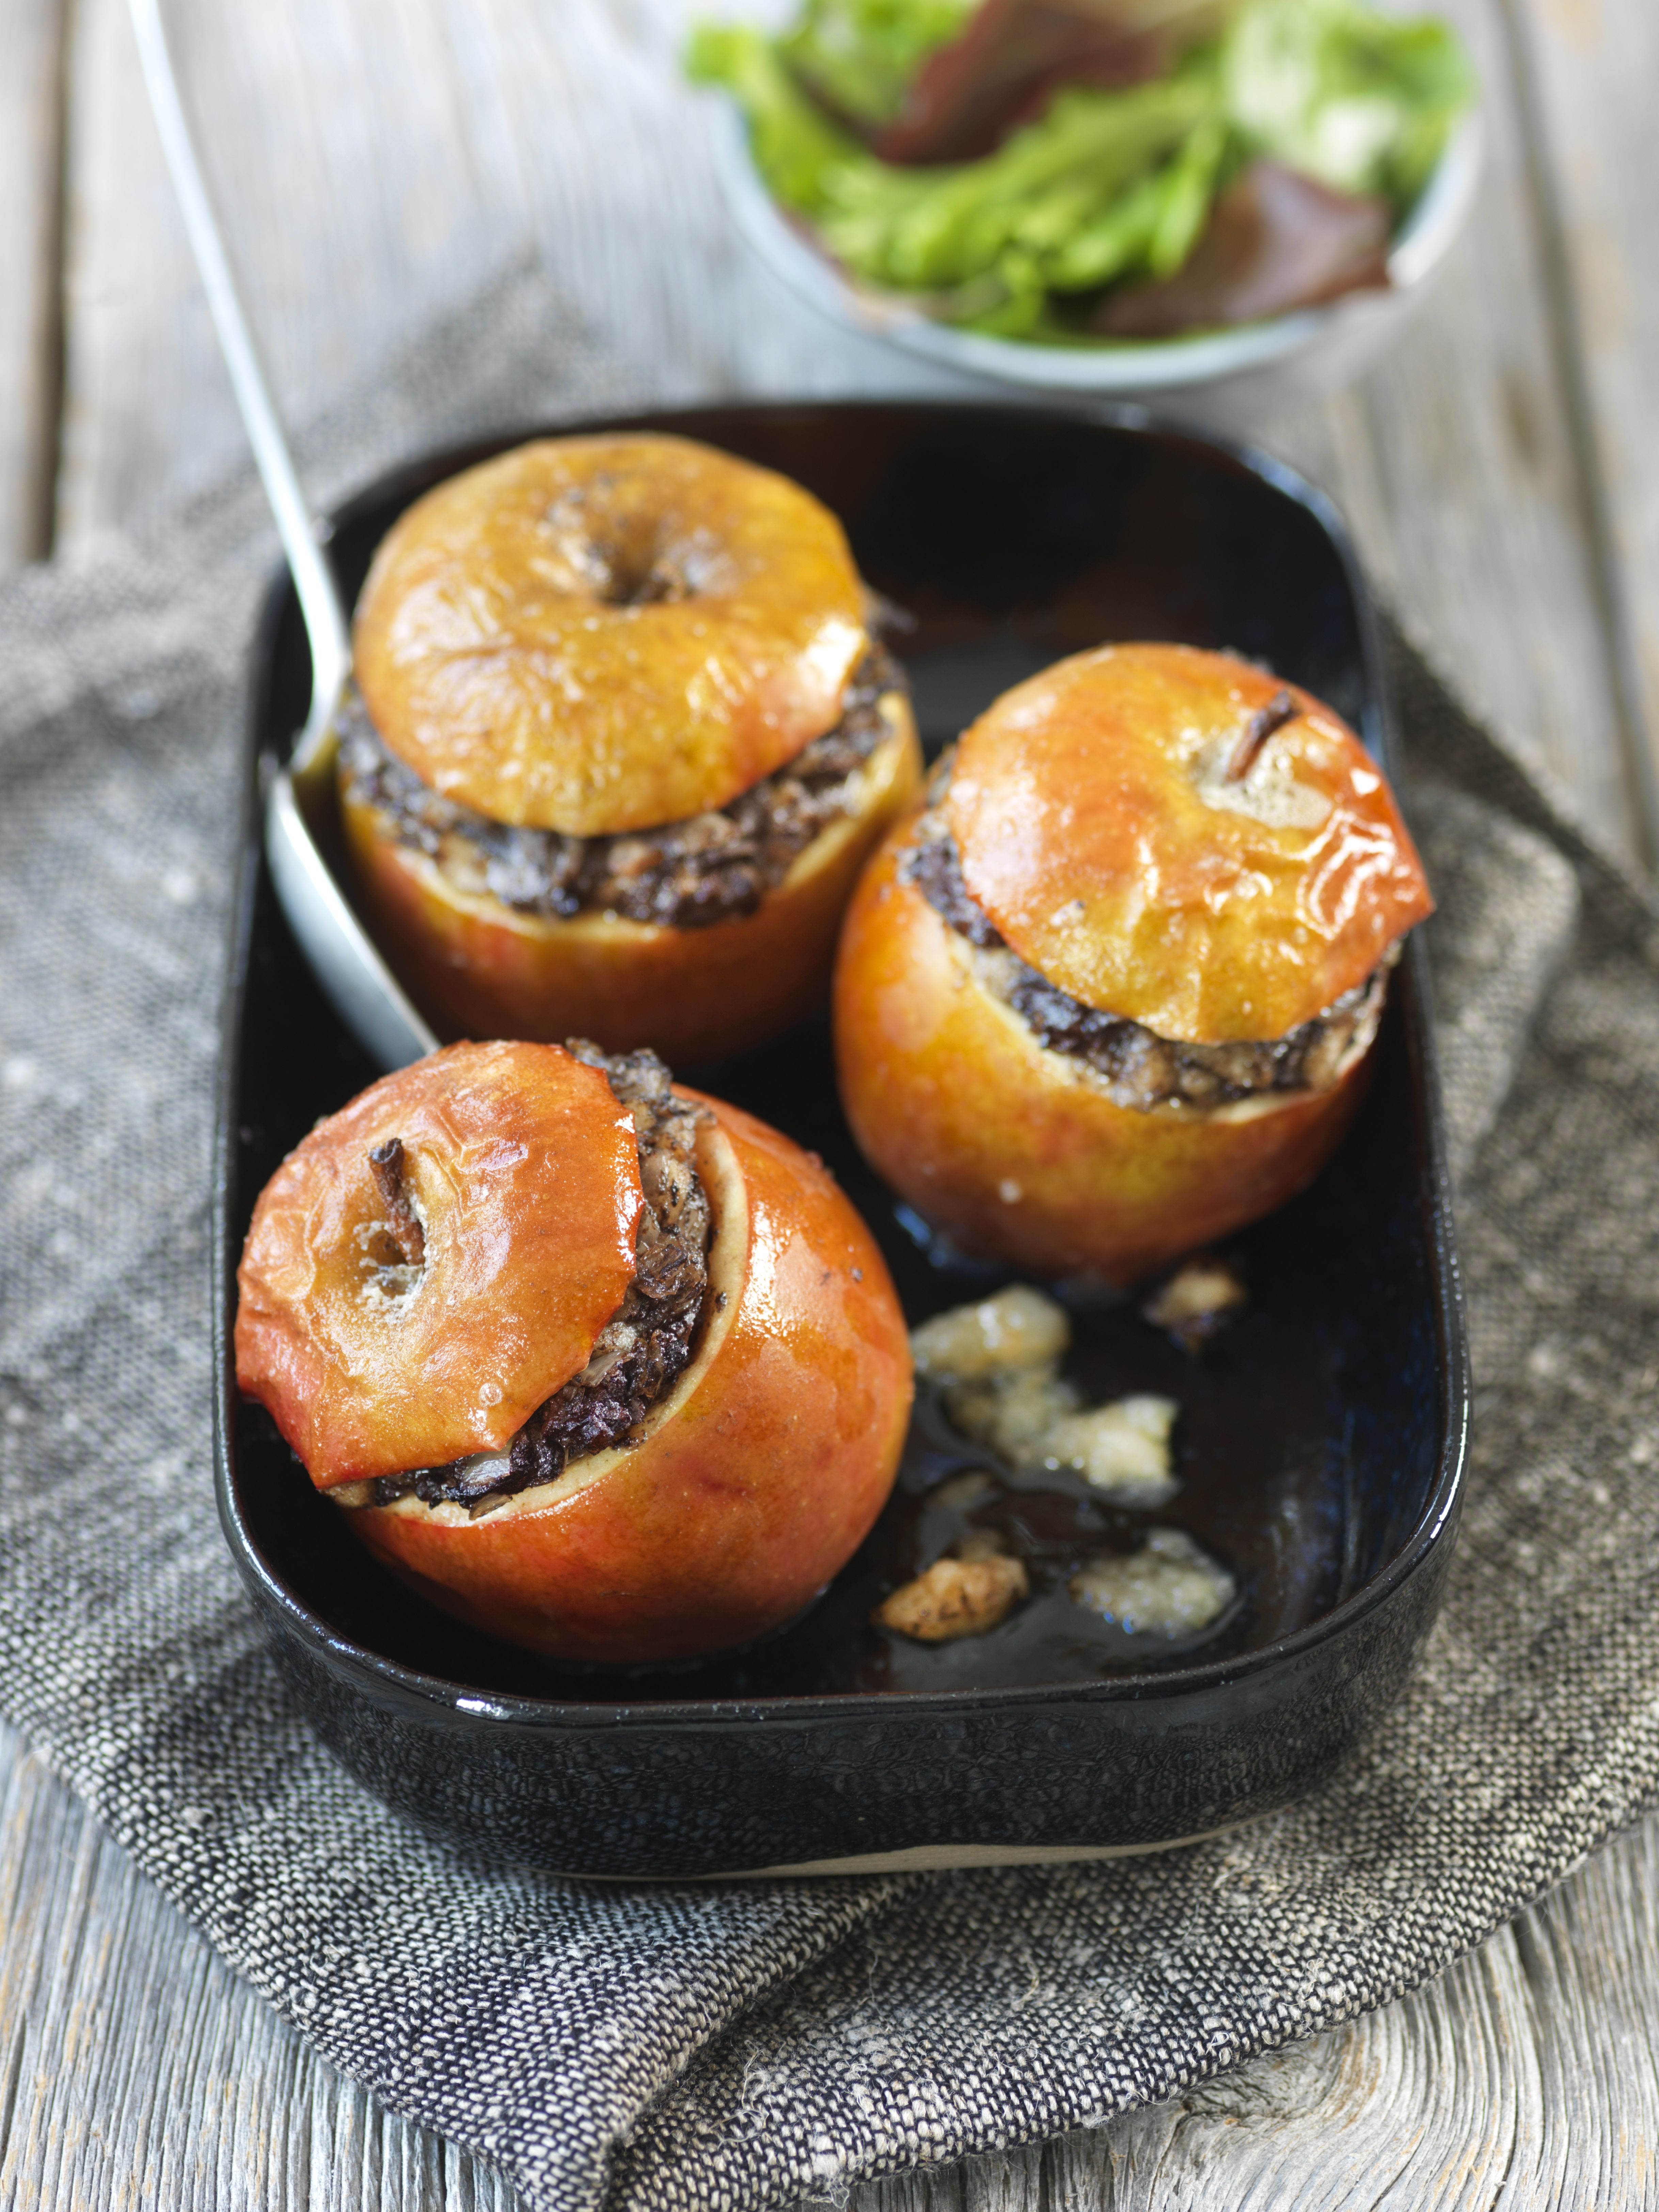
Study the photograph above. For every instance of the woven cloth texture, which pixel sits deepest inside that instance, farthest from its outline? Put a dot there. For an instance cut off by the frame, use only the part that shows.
(741, 2045)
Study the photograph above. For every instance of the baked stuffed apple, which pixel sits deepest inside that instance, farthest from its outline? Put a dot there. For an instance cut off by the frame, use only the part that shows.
(606, 1368)
(621, 740)
(1109, 993)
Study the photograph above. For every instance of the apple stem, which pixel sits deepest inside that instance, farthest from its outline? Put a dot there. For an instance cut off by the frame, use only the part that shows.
(1257, 731)
(385, 1164)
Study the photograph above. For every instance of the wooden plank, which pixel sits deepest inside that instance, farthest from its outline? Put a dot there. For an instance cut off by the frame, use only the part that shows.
(334, 239)
(1456, 464)
(31, 115)
(1588, 68)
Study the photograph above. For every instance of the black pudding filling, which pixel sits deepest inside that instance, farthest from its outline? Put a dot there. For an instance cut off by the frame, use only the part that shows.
(710, 868)
(644, 1345)
(1141, 1069)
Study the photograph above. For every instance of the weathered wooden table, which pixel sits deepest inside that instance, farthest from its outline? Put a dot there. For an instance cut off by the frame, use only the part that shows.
(1501, 470)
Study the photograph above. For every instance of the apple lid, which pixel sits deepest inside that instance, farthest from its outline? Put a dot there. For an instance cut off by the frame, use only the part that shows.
(605, 634)
(521, 1170)
(1178, 838)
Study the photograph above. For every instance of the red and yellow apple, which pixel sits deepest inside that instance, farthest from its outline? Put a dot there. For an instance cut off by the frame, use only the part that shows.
(599, 636)
(1103, 833)
(746, 1485)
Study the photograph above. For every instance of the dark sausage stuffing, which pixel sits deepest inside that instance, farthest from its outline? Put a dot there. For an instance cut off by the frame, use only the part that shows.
(648, 1342)
(710, 868)
(1141, 1069)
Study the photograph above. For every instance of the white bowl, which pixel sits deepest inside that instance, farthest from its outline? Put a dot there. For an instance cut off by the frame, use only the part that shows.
(1335, 339)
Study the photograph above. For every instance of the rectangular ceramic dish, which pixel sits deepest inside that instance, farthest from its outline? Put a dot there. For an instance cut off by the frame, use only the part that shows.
(1322, 1441)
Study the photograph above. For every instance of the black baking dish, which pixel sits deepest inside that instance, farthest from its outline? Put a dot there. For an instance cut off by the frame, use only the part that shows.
(1323, 1441)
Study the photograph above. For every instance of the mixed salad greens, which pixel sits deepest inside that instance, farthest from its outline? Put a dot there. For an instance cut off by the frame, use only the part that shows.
(1151, 182)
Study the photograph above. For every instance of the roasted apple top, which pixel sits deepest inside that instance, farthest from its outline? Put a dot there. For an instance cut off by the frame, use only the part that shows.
(1178, 838)
(749, 1482)
(595, 635)
(432, 1263)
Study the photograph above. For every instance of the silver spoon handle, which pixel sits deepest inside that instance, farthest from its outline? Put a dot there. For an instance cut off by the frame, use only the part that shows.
(347, 963)
(313, 578)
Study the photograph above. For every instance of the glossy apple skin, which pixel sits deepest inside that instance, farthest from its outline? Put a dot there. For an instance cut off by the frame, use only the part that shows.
(728, 1519)
(954, 1102)
(1100, 829)
(526, 1167)
(693, 995)
(505, 652)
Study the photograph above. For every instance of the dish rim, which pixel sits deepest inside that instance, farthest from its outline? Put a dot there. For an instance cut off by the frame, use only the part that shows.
(437, 1693)
(1179, 363)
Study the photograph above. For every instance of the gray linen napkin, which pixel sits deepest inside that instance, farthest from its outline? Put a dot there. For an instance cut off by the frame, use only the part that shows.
(739, 2045)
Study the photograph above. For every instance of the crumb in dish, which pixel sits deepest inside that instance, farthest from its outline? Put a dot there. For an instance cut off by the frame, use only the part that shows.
(998, 1365)
(1122, 1449)
(1170, 1587)
(1198, 1301)
(968, 1594)
(1018, 1328)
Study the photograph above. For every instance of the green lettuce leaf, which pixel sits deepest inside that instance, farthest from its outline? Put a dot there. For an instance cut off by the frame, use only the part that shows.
(793, 142)
(1361, 101)
(929, 229)
(860, 55)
